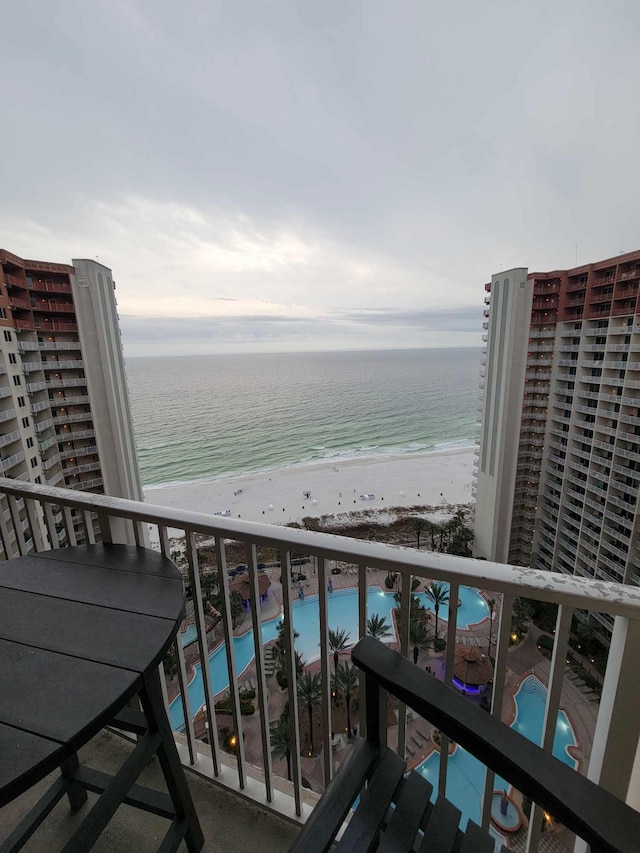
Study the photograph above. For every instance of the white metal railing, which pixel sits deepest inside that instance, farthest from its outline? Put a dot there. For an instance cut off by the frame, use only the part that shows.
(618, 727)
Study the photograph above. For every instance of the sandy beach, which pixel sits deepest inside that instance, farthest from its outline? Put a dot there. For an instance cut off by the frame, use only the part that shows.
(289, 494)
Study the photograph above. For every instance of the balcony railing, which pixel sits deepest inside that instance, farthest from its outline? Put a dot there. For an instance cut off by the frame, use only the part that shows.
(617, 729)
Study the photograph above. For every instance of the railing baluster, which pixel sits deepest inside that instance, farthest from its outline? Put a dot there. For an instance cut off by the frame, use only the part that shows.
(165, 548)
(4, 533)
(17, 526)
(452, 633)
(34, 524)
(51, 526)
(261, 679)
(499, 677)
(185, 700)
(554, 692)
(362, 630)
(405, 627)
(201, 629)
(290, 657)
(68, 523)
(325, 669)
(227, 627)
(88, 528)
(106, 532)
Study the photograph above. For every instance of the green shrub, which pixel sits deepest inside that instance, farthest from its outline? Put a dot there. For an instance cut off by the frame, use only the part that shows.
(247, 695)
(545, 642)
(439, 645)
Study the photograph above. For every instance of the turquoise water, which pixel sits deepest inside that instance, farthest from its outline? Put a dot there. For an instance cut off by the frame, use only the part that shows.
(343, 613)
(189, 635)
(465, 774)
(201, 417)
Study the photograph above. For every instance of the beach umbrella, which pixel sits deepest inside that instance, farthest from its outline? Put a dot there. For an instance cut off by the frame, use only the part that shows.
(471, 667)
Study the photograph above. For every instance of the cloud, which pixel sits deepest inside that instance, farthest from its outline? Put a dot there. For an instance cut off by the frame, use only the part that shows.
(351, 173)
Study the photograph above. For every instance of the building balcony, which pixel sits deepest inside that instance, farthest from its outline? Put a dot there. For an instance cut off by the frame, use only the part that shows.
(32, 366)
(9, 462)
(9, 438)
(7, 415)
(58, 345)
(76, 435)
(66, 383)
(40, 407)
(76, 364)
(19, 304)
(249, 778)
(49, 286)
(34, 387)
(43, 425)
(46, 325)
(53, 307)
(89, 449)
(60, 420)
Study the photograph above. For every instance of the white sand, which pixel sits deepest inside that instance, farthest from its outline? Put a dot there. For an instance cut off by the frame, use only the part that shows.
(277, 497)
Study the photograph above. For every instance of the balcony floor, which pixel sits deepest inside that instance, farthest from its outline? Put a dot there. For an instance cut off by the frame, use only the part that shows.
(229, 823)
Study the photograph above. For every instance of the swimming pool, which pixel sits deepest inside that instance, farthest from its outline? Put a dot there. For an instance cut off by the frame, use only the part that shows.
(465, 774)
(343, 613)
(189, 635)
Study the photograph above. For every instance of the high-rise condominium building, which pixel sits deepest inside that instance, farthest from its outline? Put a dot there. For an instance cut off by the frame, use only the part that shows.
(558, 472)
(64, 407)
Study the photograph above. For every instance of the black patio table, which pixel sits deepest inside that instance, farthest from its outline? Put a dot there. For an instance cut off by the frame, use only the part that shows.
(82, 632)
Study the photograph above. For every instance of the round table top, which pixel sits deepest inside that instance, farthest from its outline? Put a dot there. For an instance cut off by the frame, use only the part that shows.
(79, 630)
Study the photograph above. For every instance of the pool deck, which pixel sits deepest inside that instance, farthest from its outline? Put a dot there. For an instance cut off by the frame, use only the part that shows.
(523, 660)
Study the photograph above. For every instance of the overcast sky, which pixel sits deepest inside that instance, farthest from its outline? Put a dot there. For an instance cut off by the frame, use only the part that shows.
(308, 175)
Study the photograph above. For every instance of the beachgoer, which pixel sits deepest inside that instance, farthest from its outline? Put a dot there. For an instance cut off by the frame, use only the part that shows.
(330, 585)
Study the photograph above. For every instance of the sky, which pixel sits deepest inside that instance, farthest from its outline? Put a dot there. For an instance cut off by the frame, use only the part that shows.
(282, 176)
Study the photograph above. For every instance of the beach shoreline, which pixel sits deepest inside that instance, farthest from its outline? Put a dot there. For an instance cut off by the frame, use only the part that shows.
(437, 478)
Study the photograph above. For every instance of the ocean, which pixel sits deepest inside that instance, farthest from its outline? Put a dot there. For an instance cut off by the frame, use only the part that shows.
(200, 417)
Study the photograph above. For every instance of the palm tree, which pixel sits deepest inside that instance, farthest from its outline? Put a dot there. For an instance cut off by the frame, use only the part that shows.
(439, 594)
(345, 682)
(418, 637)
(378, 627)
(338, 642)
(491, 604)
(280, 738)
(419, 526)
(310, 694)
(279, 647)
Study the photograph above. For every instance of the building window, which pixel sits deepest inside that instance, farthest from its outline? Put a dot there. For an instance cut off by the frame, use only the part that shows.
(37, 480)
(29, 442)
(3, 314)
(12, 358)
(17, 381)
(34, 461)
(7, 335)
(25, 422)
(21, 402)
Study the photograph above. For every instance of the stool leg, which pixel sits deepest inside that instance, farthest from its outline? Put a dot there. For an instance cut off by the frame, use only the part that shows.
(76, 793)
(153, 705)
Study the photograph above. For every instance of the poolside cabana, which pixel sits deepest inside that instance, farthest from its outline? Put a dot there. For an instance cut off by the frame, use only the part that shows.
(472, 670)
(240, 584)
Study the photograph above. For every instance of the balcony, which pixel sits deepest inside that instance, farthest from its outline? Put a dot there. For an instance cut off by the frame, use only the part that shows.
(54, 307)
(66, 383)
(615, 734)
(50, 286)
(55, 326)
(58, 345)
(60, 420)
(9, 462)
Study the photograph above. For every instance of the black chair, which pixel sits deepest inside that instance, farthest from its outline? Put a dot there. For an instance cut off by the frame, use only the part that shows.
(394, 812)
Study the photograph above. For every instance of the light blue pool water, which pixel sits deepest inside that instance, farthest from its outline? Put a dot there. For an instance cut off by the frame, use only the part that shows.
(343, 613)
(189, 635)
(465, 774)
